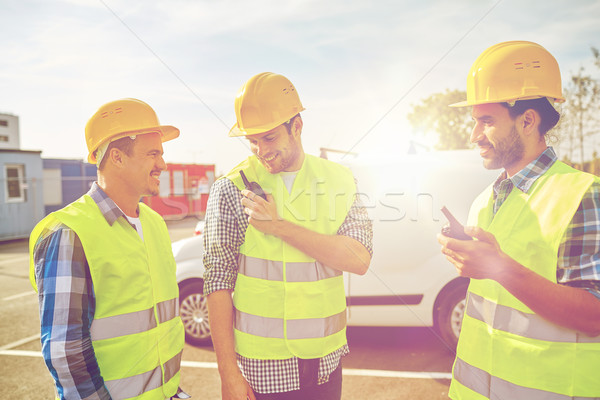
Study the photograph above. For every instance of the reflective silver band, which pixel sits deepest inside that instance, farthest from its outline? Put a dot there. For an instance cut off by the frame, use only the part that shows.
(138, 384)
(532, 326)
(309, 328)
(294, 272)
(309, 272)
(258, 326)
(316, 327)
(172, 366)
(260, 268)
(134, 385)
(167, 310)
(123, 324)
(496, 388)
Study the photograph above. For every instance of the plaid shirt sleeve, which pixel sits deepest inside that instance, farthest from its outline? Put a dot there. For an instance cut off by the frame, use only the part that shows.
(224, 233)
(66, 312)
(579, 252)
(358, 225)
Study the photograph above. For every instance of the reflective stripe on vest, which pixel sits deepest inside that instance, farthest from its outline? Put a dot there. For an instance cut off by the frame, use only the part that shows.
(136, 385)
(526, 325)
(297, 328)
(134, 322)
(123, 324)
(295, 271)
(493, 387)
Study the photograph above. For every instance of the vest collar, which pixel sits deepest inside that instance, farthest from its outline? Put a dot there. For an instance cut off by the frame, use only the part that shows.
(107, 206)
(525, 178)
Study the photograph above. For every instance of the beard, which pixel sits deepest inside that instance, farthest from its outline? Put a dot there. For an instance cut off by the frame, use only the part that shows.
(507, 151)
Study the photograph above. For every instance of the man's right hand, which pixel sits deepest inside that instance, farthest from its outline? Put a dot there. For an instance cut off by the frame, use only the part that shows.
(235, 387)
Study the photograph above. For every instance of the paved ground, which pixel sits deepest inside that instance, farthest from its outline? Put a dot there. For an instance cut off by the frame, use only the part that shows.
(385, 363)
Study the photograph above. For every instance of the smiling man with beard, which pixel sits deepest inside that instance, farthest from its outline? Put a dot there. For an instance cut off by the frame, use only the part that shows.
(283, 333)
(532, 322)
(105, 273)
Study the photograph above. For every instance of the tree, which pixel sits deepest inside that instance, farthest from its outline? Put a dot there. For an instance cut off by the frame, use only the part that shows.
(452, 124)
(579, 119)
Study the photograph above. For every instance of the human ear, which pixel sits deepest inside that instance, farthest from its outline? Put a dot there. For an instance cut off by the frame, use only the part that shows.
(297, 125)
(115, 156)
(530, 122)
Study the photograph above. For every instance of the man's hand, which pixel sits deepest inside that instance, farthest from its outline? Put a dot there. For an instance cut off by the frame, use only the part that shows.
(235, 387)
(479, 259)
(262, 214)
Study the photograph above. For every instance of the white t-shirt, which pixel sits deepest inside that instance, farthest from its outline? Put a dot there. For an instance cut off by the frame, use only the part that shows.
(138, 225)
(135, 222)
(288, 179)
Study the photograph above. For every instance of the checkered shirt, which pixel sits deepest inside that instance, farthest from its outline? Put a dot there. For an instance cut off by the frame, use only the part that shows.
(579, 251)
(67, 307)
(224, 233)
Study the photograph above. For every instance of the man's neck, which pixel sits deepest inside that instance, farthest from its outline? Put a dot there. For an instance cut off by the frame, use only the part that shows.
(120, 195)
(529, 157)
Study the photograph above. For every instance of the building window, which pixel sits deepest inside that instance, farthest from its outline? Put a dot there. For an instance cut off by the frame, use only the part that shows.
(3, 138)
(3, 122)
(15, 190)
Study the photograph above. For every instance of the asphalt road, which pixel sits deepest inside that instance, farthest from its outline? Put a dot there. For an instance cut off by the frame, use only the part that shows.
(384, 363)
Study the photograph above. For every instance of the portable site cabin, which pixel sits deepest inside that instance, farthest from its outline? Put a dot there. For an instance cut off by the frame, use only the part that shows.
(21, 200)
(184, 190)
(65, 181)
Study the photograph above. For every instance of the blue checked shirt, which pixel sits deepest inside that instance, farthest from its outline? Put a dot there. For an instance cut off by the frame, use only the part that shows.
(579, 251)
(67, 306)
(224, 233)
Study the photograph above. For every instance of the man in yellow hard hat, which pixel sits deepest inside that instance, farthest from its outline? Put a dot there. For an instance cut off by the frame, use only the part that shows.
(532, 321)
(105, 273)
(283, 333)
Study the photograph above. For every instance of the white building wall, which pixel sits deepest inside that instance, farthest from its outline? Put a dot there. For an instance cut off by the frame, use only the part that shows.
(9, 132)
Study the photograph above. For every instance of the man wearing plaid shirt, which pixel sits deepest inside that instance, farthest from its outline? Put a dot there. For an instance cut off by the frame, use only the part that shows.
(532, 322)
(283, 334)
(105, 273)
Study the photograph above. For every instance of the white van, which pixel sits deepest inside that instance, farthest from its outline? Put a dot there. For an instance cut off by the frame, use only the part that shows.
(409, 282)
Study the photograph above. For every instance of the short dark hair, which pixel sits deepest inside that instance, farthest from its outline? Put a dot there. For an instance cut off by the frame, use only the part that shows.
(125, 144)
(542, 105)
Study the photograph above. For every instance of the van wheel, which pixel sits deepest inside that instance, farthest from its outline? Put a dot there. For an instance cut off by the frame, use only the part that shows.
(193, 309)
(449, 311)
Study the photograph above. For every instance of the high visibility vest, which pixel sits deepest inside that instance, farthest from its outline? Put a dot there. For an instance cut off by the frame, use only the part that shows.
(136, 333)
(505, 350)
(286, 302)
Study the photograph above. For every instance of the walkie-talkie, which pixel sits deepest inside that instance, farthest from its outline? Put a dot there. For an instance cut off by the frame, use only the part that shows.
(454, 229)
(254, 187)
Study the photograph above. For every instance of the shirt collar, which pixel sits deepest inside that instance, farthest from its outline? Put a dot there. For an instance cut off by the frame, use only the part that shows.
(526, 177)
(107, 206)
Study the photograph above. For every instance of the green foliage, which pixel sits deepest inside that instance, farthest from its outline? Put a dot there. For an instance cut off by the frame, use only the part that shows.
(452, 124)
(579, 120)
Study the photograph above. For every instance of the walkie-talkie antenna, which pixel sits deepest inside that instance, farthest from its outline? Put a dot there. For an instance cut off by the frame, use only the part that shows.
(246, 182)
(450, 217)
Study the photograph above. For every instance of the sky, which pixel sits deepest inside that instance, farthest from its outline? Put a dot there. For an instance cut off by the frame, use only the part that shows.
(357, 65)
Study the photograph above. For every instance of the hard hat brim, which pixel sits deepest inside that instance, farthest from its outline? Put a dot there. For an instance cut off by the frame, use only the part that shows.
(167, 132)
(466, 103)
(235, 131)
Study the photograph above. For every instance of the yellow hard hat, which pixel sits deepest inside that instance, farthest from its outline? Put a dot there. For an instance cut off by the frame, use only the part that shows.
(511, 71)
(264, 102)
(120, 118)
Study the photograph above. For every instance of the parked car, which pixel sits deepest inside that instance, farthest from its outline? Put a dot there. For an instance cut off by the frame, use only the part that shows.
(409, 282)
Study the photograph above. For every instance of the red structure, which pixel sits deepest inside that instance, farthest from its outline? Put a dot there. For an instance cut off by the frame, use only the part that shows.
(183, 191)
